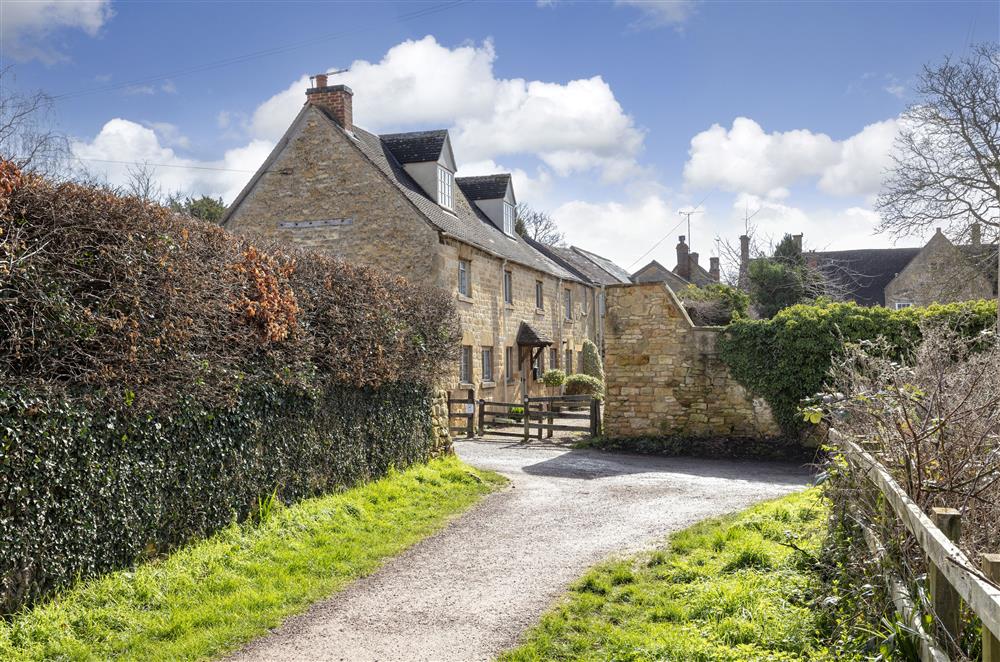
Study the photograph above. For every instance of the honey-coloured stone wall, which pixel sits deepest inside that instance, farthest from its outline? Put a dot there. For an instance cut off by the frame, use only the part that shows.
(664, 376)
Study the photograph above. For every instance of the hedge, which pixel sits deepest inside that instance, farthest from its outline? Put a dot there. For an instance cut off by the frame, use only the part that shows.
(787, 358)
(159, 377)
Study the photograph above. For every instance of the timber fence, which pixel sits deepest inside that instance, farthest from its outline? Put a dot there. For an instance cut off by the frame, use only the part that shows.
(952, 577)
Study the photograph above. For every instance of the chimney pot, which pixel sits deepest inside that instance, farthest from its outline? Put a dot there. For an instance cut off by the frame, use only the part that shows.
(683, 268)
(797, 238)
(694, 259)
(713, 268)
(336, 100)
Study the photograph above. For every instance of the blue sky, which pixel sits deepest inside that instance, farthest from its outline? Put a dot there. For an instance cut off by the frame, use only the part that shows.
(612, 115)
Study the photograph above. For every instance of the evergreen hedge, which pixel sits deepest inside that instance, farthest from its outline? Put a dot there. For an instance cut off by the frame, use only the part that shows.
(160, 377)
(786, 359)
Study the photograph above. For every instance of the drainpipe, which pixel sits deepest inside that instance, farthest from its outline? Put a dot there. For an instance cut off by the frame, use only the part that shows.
(503, 325)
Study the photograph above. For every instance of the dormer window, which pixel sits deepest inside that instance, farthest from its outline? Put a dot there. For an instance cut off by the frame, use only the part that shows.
(508, 219)
(445, 183)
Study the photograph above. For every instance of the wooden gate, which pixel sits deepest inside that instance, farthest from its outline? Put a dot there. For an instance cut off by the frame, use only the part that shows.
(462, 409)
(503, 419)
(541, 414)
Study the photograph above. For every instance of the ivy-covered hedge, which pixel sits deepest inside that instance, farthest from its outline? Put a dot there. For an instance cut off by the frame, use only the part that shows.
(160, 377)
(786, 359)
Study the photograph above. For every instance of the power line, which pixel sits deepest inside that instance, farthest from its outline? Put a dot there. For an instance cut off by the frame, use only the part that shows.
(246, 57)
(669, 232)
(162, 165)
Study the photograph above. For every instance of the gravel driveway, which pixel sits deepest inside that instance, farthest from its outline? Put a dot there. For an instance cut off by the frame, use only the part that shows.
(469, 592)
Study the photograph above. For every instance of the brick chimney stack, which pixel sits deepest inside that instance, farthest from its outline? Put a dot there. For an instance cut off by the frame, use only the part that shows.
(335, 99)
(797, 238)
(713, 268)
(693, 257)
(977, 234)
(744, 280)
(683, 268)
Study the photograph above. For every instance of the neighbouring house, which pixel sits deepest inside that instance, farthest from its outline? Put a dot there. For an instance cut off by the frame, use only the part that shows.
(598, 271)
(686, 272)
(393, 201)
(938, 272)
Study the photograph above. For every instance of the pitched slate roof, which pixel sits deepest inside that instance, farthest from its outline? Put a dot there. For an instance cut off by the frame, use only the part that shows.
(484, 187)
(529, 336)
(864, 272)
(416, 146)
(654, 272)
(466, 223)
(607, 265)
(580, 262)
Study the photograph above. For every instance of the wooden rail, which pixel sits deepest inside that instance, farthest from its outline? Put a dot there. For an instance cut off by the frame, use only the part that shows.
(953, 577)
(469, 414)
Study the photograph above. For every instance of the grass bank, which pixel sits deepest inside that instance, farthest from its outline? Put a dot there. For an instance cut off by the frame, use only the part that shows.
(732, 588)
(213, 596)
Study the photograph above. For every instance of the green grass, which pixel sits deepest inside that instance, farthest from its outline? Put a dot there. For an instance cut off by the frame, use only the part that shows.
(212, 596)
(725, 589)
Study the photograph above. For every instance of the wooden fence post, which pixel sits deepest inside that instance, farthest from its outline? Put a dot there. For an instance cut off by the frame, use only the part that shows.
(527, 430)
(541, 419)
(482, 416)
(944, 598)
(991, 643)
(470, 426)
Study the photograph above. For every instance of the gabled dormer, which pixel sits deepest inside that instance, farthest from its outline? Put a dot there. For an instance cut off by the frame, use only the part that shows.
(494, 196)
(427, 157)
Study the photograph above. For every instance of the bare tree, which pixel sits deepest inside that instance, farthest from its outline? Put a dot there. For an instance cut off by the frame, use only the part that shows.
(142, 184)
(537, 225)
(26, 137)
(946, 170)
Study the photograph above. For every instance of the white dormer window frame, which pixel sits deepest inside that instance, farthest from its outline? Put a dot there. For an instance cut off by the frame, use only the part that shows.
(446, 185)
(508, 219)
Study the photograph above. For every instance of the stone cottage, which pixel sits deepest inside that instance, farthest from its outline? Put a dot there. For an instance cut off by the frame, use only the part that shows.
(939, 272)
(393, 201)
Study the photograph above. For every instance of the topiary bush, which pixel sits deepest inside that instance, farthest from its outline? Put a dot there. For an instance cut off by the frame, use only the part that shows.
(787, 358)
(580, 384)
(159, 376)
(592, 364)
(554, 377)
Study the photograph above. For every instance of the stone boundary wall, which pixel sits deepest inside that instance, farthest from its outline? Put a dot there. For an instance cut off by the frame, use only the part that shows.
(664, 375)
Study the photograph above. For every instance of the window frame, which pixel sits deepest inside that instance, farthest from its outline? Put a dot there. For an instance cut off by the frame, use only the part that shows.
(568, 304)
(508, 218)
(539, 295)
(508, 360)
(465, 375)
(465, 284)
(446, 187)
(487, 353)
(553, 358)
(568, 360)
(508, 286)
(900, 305)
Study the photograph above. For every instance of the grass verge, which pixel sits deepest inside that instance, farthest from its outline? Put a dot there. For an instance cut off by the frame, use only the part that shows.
(214, 595)
(731, 588)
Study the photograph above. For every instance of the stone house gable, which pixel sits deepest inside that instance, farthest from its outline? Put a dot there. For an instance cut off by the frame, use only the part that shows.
(318, 190)
(939, 273)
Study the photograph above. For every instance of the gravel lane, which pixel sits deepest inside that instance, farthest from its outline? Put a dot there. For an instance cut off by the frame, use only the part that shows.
(469, 592)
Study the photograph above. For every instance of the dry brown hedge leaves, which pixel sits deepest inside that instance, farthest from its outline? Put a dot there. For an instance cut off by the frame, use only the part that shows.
(102, 294)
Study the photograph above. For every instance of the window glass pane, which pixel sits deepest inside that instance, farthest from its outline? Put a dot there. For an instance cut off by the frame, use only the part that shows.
(465, 365)
(568, 304)
(568, 366)
(444, 188)
(508, 361)
(539, 303)
(508, 287)
(464, 267)
(553, 358)
(487, 364)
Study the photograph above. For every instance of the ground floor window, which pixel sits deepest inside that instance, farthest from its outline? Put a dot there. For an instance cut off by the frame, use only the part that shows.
(903, 304)
(568, 365)
(553, 358)
(487, 364)
(538, 365)
(465, 365)
(508, 363)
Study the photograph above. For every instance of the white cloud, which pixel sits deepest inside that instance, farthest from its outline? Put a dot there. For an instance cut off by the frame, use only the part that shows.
(745, 158)
(169, 134)
(130, 142)
(571, 127)
(26, 25)
(896, 90)
(660, 13)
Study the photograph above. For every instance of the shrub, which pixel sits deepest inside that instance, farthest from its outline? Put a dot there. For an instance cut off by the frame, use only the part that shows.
(554, 377)
(159, 377)
(516, 413)
(580, 384)
(787, 358)
(716, 304)
(592, 361)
